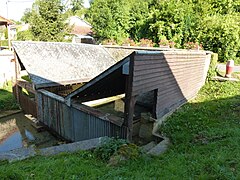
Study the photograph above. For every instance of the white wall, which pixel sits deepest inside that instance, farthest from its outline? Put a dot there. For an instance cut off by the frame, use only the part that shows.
(7, 68)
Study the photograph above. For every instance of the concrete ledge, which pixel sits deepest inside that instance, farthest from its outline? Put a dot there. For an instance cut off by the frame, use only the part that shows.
(159, 148)
(9, 113)
(72, 147)
(218, 78)
(17, 154)
(24, 153)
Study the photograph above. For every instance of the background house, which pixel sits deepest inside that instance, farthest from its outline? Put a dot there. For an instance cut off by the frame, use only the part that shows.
(81, 30)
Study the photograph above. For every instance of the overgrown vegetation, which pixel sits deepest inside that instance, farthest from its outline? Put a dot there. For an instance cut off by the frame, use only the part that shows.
(205, 145)
(214, 24)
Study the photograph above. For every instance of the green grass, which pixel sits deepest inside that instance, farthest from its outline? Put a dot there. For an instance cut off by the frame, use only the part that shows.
(205, 140)
(7, 101)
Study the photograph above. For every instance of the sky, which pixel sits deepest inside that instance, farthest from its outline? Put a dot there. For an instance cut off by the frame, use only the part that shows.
(16, 8)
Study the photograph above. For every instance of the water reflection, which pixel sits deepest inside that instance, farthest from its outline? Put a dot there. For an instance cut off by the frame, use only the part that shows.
(16, 131)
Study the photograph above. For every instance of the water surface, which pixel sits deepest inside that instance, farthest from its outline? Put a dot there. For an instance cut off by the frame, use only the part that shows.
(16, 131)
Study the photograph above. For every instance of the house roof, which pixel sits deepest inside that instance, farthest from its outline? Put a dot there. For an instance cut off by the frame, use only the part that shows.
(79, 26)
(81, 30)
(51, 63)
(5, 21)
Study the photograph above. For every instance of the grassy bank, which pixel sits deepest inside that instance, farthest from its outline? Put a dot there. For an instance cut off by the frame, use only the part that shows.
(205, 139)
(7, 101)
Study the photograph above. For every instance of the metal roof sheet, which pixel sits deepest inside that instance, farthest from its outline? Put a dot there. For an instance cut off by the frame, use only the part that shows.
(54, 62)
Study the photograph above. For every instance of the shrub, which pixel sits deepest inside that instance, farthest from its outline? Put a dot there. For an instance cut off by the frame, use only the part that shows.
(108, 148)
(24, 35)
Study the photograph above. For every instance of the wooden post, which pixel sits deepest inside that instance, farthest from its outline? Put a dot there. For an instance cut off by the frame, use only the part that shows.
(129, 112)
(15, 83)
(129, 101)
(9, 42)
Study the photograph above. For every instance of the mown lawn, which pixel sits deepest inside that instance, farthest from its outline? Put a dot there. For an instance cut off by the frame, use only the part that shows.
(205, 135)
(7, 101)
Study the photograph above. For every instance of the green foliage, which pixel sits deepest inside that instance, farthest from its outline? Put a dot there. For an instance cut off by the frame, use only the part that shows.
(76, 5)
(75, 9)
(24, 35)
(27, 15)
(214, 23)
(11, 175)
(129, 151)
(4, 42)
(221, 34)
(110, 19)
(7, 100)
(47, 22)
(212, 66)
(108, 148)
(124, 153)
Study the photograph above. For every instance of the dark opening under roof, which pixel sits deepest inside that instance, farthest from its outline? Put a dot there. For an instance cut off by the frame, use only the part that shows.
(109, 83)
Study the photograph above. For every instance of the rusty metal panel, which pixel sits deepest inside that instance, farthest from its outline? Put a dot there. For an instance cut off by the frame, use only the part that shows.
(88, 126)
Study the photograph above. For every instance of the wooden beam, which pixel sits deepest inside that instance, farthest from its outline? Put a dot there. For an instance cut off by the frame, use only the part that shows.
(102, 101)
(26, 85)
(104, 116)
(9, 42)
(70, 82)
(130, 100)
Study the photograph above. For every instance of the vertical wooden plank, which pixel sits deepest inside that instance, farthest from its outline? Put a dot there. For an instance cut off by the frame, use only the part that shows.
(129, 100)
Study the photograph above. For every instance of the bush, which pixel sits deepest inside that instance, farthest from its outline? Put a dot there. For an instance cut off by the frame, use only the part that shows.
(108, 148)
(24, 35)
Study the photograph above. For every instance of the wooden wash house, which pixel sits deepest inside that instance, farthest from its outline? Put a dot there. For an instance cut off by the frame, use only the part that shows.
(82, 92)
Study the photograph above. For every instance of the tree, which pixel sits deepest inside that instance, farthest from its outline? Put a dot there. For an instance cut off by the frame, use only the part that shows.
(110, 18)
(76, 6)
(47, 22)
(27, 15)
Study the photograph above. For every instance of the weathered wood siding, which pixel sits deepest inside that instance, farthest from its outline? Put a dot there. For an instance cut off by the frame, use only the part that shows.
(27, 104)
(177, 76)
(55, 114)
(74, 123)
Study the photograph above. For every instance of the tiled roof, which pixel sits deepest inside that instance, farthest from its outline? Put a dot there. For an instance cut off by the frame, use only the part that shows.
(49, 62)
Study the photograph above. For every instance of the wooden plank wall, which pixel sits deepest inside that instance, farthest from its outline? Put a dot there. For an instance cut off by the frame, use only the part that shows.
(177, 76)
(55, 114)
(27, 104)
